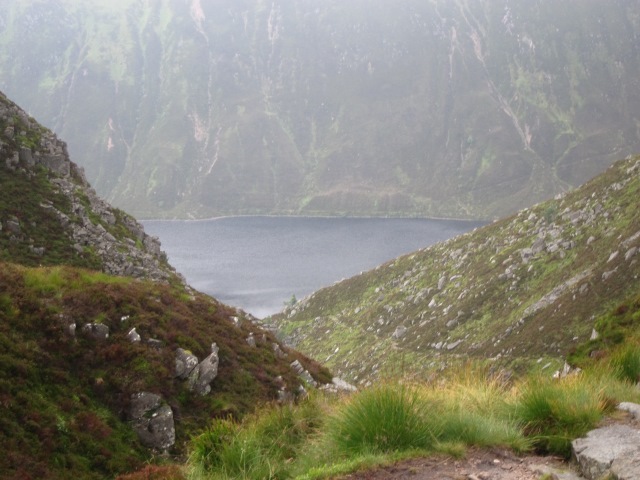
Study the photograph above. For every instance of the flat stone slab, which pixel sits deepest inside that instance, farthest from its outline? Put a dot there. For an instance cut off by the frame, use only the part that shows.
(608, 448)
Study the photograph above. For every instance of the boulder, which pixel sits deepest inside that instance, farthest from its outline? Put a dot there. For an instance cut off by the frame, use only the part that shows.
(152, 421)
(614, 449)
(204, 373)
(185, 363)
(96, 331)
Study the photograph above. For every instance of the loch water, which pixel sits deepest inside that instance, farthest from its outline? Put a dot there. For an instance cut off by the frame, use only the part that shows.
(259, 263)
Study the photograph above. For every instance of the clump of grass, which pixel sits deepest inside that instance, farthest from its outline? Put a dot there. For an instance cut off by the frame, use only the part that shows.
(45, 280)
(263, 446)
(385, 419)
(477, 409)
(625, 362)
(554, 412)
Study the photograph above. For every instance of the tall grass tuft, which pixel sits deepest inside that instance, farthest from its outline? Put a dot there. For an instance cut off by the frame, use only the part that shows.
(554, 412)
(385, 419)
(625, 362)
(477, 409)
(264, 446)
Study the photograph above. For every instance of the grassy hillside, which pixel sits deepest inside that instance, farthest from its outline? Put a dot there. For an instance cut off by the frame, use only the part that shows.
(522, 292)
(64, 397)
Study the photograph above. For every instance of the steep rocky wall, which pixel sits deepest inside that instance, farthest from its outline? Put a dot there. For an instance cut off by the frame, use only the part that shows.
(364, 107)
(88, 227)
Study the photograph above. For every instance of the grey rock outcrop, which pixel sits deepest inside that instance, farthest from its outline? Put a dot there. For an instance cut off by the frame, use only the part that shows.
(338, 385)
(205, 372)
(93, 226)
(152, 420)
(611, 450)
(303, 373)
(185, 363)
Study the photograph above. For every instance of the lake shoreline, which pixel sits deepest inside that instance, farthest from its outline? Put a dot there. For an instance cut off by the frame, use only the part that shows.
(337, 217)
(257, 262)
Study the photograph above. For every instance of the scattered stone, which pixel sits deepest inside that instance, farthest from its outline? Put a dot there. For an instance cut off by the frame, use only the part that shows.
(630, 253)
(278, 351)
(133, 336)
(13, 226)
(70, 329)
(96, 331)
(251, 340)
(155, 343)
(613, 256)
(632, 408)
(607, 275)
(297, 367)
(400, 332)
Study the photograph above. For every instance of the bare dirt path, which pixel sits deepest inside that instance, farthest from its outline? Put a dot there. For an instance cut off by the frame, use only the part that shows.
(493, 464)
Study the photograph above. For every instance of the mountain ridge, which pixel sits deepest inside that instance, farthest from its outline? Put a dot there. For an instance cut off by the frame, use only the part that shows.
(201, 110)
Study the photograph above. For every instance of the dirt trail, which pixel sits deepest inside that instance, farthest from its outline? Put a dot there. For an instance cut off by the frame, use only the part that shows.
(492, 464)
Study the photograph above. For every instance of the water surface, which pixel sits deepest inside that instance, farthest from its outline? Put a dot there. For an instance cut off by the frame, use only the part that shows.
(258, 263)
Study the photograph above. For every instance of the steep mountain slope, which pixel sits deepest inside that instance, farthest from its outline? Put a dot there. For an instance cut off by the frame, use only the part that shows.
(362, 107)
(522, 291)
(106, 357)
(50, 215)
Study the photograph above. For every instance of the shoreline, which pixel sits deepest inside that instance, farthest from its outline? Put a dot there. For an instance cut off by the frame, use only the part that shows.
(366, 217)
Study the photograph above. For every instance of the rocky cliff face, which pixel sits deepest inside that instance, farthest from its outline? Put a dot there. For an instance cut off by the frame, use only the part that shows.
(63, 220)
(523, 292)
(436, 108)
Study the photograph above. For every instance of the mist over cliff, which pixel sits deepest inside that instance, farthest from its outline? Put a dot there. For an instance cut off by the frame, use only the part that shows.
(367, 107)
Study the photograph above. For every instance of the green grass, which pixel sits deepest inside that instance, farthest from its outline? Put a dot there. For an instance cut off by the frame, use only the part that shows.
(395, 420)
(553, 413)
(384, 419)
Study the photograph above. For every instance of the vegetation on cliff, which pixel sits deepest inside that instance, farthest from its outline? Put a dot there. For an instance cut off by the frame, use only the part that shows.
(523, 291)
(363, 107)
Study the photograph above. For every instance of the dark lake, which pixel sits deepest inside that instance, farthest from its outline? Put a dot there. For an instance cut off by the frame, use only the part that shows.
(258, 263)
